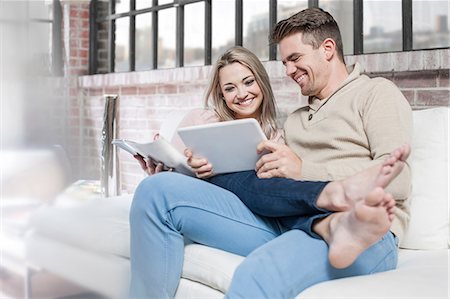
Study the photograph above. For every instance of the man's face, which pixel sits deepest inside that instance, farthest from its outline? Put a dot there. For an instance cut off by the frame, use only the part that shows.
(304, 64)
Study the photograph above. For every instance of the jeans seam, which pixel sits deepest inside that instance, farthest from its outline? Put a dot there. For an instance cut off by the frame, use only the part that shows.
(186, 204)
(383, 260)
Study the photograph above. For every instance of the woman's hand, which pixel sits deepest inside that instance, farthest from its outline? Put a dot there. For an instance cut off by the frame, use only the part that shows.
(280, 161)
(150, 166)
(201, 166)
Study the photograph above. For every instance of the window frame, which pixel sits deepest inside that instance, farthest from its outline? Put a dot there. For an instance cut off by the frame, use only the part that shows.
(358, 37)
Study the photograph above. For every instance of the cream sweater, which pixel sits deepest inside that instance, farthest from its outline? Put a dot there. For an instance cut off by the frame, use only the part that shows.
(356, 127)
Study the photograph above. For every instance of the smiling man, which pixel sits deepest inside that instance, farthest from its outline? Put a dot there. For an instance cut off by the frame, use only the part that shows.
(351, 122)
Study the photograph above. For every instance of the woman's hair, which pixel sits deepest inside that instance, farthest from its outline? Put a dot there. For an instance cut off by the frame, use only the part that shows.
(315, 24)
(214, 96)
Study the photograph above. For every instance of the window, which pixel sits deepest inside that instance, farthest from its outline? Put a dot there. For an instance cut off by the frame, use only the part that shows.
(33, 31)
(431, 24)
(133, 35)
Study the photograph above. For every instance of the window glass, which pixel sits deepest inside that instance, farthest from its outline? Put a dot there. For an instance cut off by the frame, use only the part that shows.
(287, 8)
(122, 51)
(256, 27)
(40, 39)
(40, 9)
(144, 43)
(431, 24)
(160, 2)
(194, 34)
(140, 4)
(223, 27)
(166, 38)
(342, 12)
(382, 26)
(122, 6)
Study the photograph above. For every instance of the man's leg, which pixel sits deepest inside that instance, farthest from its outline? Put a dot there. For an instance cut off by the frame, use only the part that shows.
(281, 197)
(169, 207)
(350, 233)
(289, 264)
(275, 197)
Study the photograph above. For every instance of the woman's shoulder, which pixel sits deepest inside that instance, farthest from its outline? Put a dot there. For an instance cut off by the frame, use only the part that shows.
(199, 116)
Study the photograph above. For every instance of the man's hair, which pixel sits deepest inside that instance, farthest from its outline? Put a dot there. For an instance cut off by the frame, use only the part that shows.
(315, 24)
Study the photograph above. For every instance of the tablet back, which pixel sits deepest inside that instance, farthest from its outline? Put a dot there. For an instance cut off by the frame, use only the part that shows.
(229, 146)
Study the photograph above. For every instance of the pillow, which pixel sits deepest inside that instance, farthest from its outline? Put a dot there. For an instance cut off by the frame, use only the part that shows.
(429, 223)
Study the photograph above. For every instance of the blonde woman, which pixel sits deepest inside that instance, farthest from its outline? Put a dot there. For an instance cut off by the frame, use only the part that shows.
(239, 88)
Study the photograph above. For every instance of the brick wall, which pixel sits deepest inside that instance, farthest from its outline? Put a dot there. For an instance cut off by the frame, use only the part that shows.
(147, 98)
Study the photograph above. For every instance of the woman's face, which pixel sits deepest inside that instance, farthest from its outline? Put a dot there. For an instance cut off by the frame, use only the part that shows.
(240, 90)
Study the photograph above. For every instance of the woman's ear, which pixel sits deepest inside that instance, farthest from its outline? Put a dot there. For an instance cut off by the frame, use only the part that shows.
(329, 48)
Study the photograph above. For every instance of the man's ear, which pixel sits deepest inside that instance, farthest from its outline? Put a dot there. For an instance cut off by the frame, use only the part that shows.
(329, 48)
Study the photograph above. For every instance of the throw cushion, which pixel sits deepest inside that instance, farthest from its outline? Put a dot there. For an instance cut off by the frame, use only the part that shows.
(429, 224)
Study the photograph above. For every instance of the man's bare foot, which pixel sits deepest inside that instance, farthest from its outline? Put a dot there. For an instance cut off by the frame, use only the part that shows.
(342, 195)
(350, 233)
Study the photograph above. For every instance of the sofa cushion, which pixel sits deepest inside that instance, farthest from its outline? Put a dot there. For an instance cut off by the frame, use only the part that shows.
(420, 274)
(99, 225)
(429, 224)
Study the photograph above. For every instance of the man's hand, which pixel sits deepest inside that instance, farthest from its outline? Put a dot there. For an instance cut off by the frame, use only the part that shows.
(149, 166)
(280, 162)
(201, 166)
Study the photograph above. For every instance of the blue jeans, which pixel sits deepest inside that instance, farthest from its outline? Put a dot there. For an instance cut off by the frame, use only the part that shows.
(293, 202)
(170, 209)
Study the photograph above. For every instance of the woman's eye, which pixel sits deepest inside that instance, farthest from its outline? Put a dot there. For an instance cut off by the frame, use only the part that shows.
(228, 89)
(249, 82)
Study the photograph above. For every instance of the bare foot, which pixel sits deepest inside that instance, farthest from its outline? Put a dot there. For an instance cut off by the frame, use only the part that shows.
(350, 233)
(342, 195)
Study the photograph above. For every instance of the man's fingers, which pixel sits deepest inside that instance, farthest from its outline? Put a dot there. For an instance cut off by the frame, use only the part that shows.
(267, 158)
(267, 145)
(268, 166)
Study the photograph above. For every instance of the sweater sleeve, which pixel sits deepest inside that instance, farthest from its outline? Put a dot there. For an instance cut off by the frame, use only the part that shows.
(387, 120)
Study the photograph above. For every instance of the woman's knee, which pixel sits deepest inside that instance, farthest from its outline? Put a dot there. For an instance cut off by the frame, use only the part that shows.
(150, 193)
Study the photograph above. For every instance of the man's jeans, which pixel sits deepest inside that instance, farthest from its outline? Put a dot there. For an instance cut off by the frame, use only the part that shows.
(170, 209)
(293, 202)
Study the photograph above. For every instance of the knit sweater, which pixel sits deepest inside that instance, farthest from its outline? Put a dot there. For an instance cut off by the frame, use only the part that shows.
(354, 128)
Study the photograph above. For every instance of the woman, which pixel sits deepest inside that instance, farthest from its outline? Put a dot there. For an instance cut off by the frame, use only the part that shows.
(239, 88)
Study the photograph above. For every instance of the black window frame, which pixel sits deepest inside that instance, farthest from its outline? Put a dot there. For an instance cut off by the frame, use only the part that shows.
(358, 37)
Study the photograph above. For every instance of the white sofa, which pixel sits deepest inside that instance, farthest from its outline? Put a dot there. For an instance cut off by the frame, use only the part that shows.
(88, 243)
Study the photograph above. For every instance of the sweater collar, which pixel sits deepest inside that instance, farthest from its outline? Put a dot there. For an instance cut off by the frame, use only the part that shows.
(354, 71)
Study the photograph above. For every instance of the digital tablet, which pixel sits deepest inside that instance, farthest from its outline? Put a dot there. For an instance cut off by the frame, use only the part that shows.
(229, 146)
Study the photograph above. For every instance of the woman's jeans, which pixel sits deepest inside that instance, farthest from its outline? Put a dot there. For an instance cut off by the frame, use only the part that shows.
(170, 209)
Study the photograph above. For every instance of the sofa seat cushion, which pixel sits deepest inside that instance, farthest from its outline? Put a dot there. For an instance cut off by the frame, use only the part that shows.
(99, 225)
(420, 274)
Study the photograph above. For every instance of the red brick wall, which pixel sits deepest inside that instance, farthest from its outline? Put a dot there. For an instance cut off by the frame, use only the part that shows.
(147, 98)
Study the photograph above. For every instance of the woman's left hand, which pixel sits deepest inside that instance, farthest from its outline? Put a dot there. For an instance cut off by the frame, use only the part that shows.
(201, 167)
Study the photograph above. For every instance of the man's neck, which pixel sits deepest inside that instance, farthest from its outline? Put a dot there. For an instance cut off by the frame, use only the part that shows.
(336, 77)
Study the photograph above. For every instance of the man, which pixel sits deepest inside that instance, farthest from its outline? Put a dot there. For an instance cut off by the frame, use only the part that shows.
(356, 122)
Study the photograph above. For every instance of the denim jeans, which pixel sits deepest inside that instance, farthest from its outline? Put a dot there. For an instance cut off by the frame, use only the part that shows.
(293, 202)
(170, 209)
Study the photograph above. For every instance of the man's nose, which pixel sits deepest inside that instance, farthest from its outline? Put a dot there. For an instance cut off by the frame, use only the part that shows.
(290, 68)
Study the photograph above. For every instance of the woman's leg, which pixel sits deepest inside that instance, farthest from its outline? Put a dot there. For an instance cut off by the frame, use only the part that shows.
(169, 207)
(275, 197)
(289, 264)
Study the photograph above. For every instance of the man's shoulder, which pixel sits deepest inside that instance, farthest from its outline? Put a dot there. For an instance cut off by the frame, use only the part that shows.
(373, 81)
